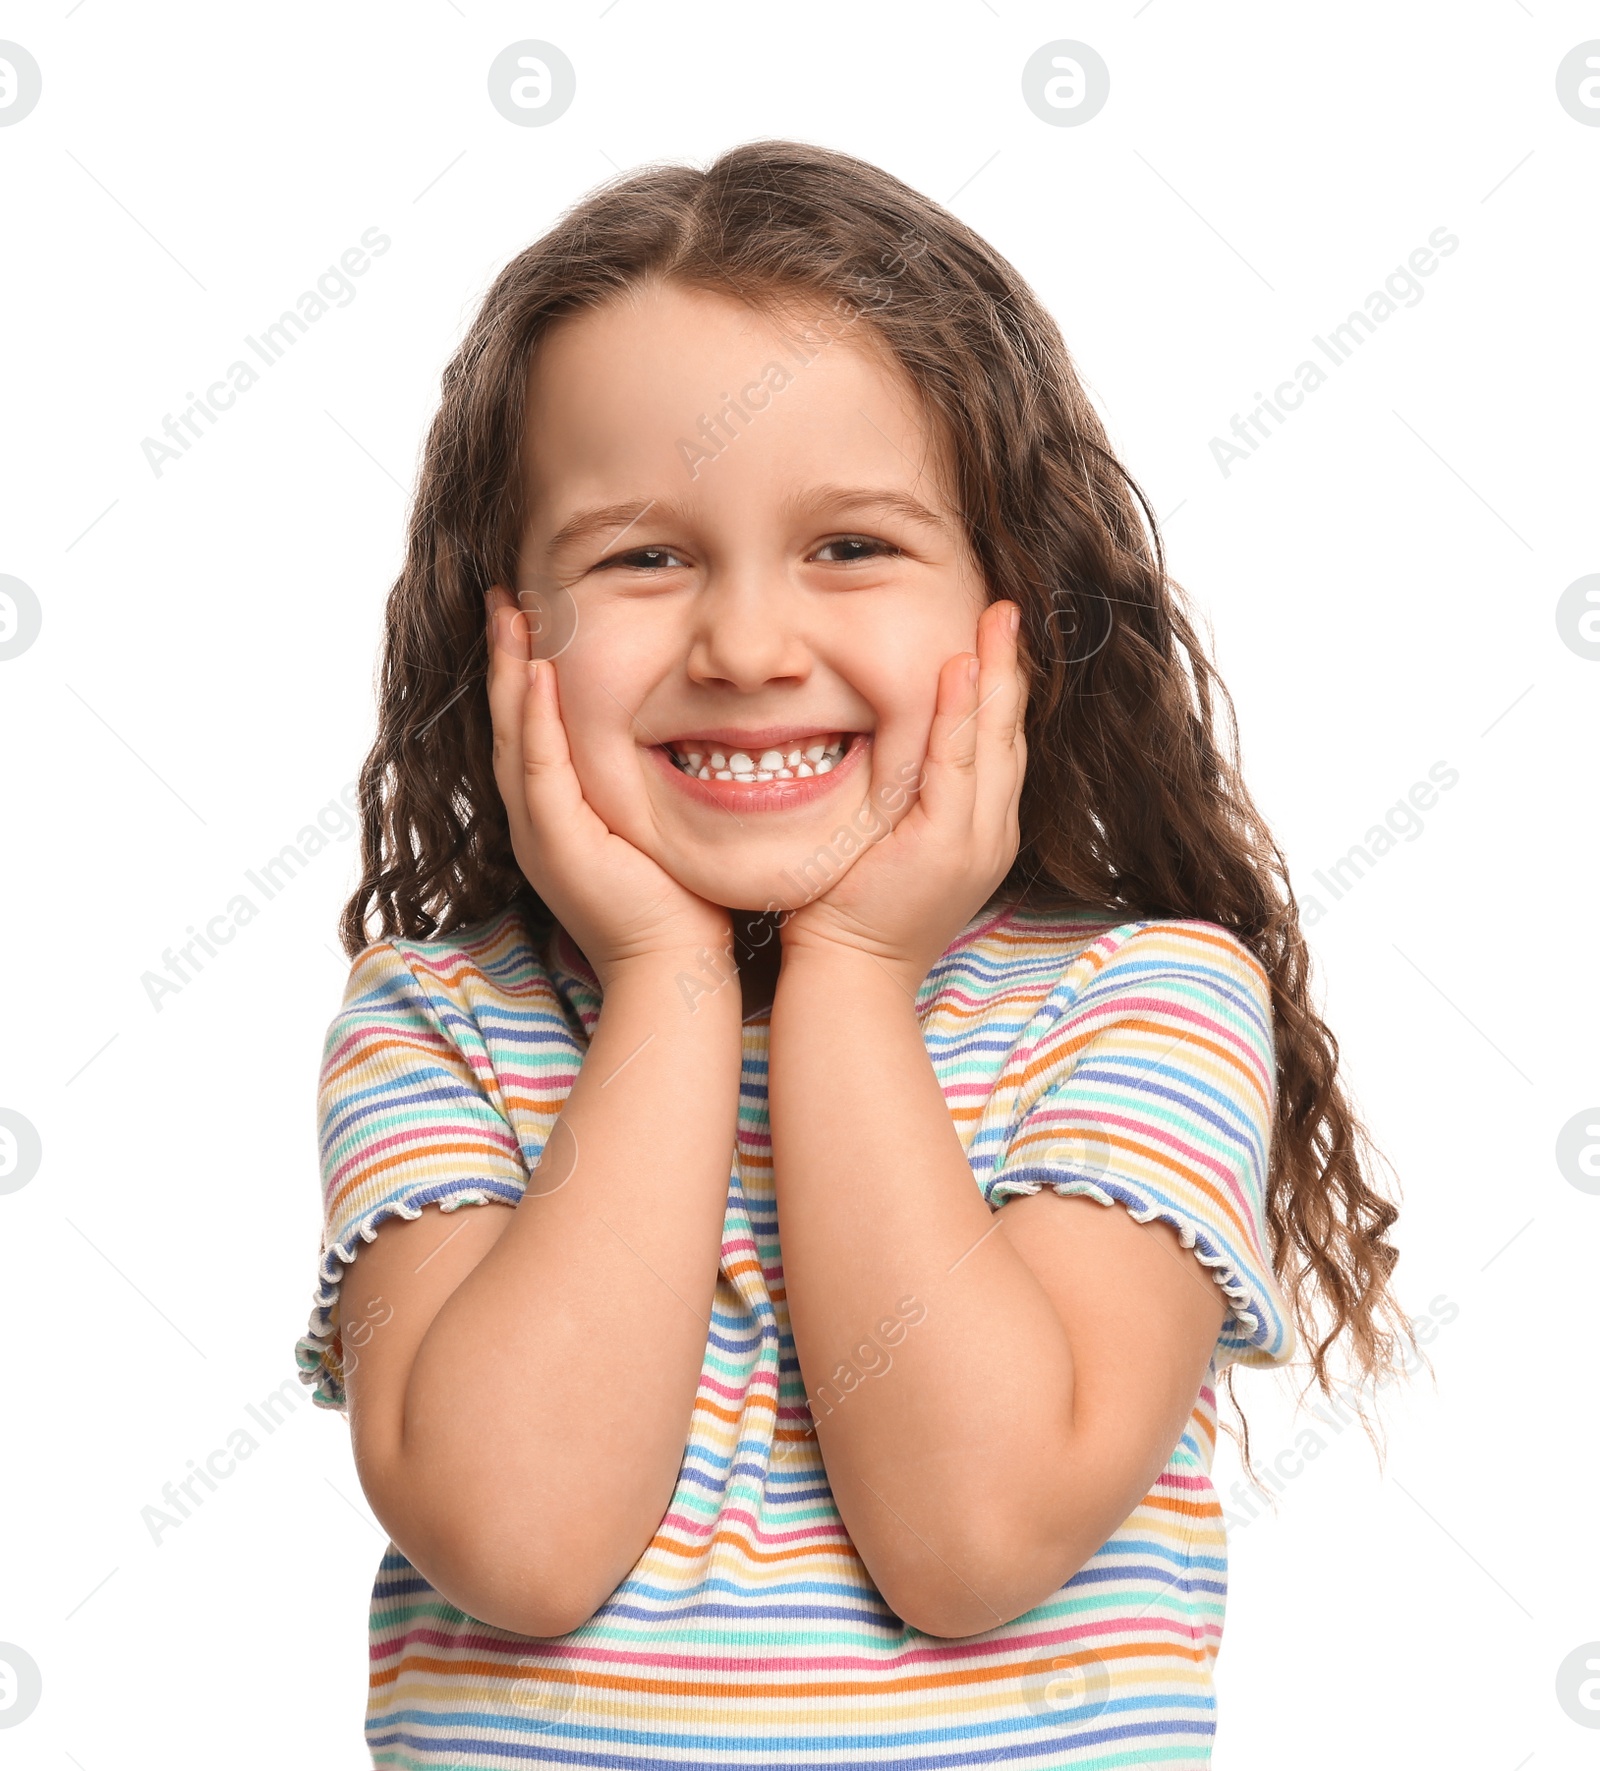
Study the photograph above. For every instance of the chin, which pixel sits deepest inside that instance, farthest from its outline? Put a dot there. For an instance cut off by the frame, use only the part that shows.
(781, 881)
(755, 890)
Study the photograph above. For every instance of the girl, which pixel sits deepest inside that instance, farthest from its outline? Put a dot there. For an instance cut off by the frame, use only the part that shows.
(814, 908)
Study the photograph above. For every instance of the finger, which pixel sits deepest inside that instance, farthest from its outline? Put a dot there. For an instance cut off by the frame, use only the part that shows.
(532, 763)
(507, 684)
(950, 772)
(1000, 681)
(1024, 687)
(1002, 752)
(1010, 839)
(995, 825)
(557, 811)
(1019, 740)
(1024, 683)
(1013, 805)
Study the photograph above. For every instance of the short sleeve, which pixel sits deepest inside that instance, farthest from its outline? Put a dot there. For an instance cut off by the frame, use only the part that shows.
(1153, 1087)
(406, 1119)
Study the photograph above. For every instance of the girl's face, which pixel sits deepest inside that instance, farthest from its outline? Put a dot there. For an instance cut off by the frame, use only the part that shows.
(745, 565)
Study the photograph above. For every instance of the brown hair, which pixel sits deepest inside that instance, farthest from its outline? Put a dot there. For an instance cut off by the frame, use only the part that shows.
(1131, 803)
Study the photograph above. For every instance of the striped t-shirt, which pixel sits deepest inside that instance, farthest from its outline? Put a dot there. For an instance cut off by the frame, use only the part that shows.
(1128, 1061)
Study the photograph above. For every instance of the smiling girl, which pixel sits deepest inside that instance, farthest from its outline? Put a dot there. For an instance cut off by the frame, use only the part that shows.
(813, 906)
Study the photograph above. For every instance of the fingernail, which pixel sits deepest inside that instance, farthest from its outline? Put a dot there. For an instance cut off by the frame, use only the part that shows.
(972, 668)
(1013, 619)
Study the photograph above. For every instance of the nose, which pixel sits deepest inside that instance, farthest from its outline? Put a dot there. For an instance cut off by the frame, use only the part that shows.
(746, 634)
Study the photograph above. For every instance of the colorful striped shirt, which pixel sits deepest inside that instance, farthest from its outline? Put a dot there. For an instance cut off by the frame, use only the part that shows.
(1130, 1062)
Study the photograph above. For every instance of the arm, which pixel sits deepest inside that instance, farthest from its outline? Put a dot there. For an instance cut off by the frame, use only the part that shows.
(1029, 1409)
(520, 1416)
(519, 1419)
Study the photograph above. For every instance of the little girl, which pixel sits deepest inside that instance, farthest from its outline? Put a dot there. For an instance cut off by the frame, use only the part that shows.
(814, 908)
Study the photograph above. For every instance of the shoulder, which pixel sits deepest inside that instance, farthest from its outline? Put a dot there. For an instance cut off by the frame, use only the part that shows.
(1149, 1079)
(483, 994)
(467, 1029)
(1184, 991)
(495, 962)
(1011, 953)
(1042, 995)
(1067, 956)
(1186, 955)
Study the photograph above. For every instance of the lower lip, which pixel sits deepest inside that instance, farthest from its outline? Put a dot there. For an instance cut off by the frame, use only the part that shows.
(764, 796)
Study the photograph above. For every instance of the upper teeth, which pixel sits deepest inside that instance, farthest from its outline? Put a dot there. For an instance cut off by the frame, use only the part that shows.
(799, 757)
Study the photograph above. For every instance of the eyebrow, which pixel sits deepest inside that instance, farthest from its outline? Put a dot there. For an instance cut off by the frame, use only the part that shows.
(584, 525)
(882, 498)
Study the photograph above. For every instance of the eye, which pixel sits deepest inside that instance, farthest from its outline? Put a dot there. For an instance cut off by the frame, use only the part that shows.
(854, 547)
(646, 559)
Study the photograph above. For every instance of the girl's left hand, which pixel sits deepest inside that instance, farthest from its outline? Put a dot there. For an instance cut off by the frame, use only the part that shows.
(912, 892)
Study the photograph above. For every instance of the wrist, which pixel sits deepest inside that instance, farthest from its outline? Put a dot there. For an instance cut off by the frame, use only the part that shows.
(851, 966)
(693, 974)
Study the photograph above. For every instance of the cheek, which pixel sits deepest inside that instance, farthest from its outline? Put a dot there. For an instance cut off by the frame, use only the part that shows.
(895, 657)
(596, 712)
(898, 678)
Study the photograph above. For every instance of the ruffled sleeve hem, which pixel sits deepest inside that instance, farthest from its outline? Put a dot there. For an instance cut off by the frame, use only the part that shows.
(1264, 1335)
(319, 1353)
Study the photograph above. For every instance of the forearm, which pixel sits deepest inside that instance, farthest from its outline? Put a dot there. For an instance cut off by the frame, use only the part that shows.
(939, 1463)
(549, 1402)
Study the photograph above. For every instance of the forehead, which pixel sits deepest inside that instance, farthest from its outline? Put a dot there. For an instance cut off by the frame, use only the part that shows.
(690, 395)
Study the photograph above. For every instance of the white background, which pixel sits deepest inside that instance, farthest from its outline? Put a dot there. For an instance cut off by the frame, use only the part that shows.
(1381, 577)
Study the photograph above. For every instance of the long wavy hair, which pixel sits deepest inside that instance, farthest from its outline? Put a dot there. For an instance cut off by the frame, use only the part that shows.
(1132, 802)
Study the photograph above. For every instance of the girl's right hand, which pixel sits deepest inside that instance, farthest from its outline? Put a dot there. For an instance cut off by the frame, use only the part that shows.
(615, 902)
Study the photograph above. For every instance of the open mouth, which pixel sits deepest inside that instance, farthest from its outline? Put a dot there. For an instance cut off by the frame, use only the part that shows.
(796, 759)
